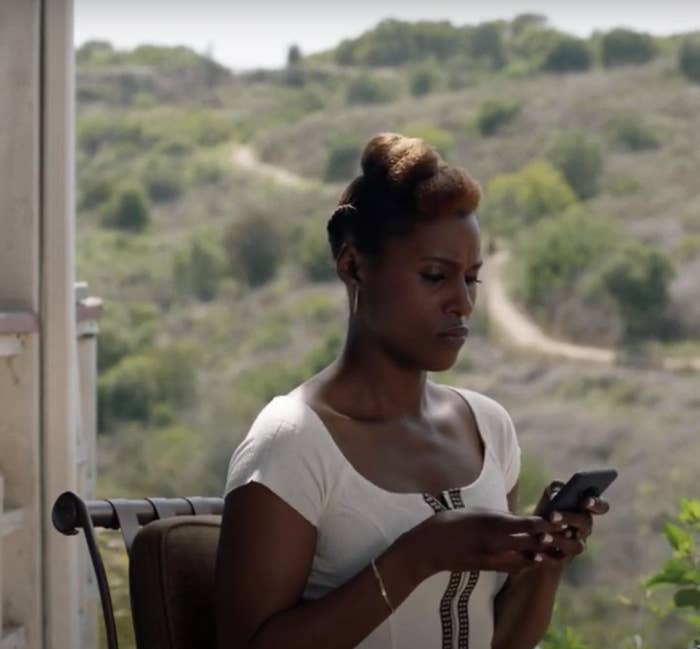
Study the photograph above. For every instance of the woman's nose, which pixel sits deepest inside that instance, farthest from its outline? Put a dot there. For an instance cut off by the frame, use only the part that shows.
(463, 301)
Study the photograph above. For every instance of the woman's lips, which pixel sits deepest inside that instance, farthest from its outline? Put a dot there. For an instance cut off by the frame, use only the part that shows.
(456, 335)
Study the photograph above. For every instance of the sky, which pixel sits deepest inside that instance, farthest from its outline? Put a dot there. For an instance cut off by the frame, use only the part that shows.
(251, 34)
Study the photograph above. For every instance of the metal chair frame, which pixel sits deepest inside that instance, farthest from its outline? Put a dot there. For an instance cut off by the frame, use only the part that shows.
(71, 513)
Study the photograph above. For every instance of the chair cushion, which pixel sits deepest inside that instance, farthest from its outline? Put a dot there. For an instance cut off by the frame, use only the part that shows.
(171, 578)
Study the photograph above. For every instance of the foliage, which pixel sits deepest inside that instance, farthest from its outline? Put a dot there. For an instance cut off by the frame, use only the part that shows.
(127, 209)
(125, 329)
(632, 133)
(131, 389)
(294, 55)
(197, 270)
(342, 161)
(515, 201)
(689, 58)
(314, 253)
(637, 277)
(368, 89)
(568, 638)
(395, 42)
(164, 178)
(495, 114)
(556, 252)
(424, 79)
(485, 43)
(682, 571)
(253, 248)
(579, 157)
(568, 54)
(626, 47)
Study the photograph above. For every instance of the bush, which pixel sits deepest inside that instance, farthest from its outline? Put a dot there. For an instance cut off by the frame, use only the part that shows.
(253, 247)
(555, 254)
(514, 201)
(494, 115)
(127, 209)
(568, 54)
(197, 270)
(580, 159)
(689, 59)
(424, 80)
(626, 47)
(164, 179)
(131, 389)
(315, 254)
(485, 43)
(631, 133)
(365, 89)
(637, 277)
(343, 160)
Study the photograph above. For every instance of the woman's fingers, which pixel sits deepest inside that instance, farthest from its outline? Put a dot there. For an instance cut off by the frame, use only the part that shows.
(597, 506)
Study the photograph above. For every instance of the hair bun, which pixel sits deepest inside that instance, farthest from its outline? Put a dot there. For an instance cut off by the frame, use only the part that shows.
(399, 159)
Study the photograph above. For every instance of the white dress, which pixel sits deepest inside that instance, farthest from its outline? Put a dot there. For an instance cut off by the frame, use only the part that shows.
(290, 451)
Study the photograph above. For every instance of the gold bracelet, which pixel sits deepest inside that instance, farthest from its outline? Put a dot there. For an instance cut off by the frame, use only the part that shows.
(382, 588)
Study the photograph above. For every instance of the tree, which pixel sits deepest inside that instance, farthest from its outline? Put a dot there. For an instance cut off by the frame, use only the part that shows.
(253, 249)
(689, 59)
(568, 54)
(343, 160)
(293, 55)
(637, 277)
(515, 201)
(127, 209)
(495, 114)
(580, 158)
(486, 43)
(626, 47)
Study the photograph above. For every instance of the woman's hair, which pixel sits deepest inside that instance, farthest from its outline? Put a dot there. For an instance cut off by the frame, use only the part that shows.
(403, 181)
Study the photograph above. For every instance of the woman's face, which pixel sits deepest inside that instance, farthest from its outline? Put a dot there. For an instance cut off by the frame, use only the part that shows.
(417, 300)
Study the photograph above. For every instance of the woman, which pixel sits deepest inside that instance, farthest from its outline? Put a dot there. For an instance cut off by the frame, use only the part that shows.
(370, 507)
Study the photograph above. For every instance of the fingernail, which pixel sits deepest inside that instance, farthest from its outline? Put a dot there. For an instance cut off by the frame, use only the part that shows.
(538, 557)
(590, 502)
(547, 538)
(555, 517)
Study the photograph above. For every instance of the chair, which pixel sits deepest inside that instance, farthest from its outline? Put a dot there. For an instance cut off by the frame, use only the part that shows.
(172, 554)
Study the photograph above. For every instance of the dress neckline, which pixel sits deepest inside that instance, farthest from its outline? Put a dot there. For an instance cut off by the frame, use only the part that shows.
(351, 468)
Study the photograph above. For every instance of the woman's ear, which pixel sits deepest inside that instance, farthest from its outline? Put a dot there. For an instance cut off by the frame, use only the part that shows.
(349, 264)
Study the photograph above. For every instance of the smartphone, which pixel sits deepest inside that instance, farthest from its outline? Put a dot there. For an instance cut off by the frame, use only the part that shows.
(582, 485)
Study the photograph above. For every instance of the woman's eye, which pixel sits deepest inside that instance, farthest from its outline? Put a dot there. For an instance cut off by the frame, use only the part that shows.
(472, 280)
(433, 277)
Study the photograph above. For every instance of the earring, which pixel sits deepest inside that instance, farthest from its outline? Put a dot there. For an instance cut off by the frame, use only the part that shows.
(355, 297)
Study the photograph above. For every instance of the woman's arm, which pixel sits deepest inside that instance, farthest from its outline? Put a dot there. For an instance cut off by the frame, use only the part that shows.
(266, 551)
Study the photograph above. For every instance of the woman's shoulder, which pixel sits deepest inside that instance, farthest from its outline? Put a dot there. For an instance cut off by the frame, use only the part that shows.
(485, 408)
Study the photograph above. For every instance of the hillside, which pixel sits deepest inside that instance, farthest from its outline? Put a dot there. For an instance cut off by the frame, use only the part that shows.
(219, 291)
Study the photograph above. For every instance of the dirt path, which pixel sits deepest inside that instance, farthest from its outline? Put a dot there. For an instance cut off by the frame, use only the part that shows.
(512, 324)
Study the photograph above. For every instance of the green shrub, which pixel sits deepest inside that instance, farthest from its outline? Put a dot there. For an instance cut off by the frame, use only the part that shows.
(127, 209)
(94, 190)
(342, 162)
(424, 79)
(682, 571)
(555, 253)
(485, 42)
(314, 253)
(125, 329)
(164, 179)
(626, 47)
(637, 277)
(689, 58)
(131, 389)
(495, 114)
(366, 89)
(253, 249)
(197, 270)
(568, 54)
(515, 201)
(632, 133)
(580, 158)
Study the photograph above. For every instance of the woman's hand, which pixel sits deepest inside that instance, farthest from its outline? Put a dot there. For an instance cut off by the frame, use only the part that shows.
(459, 540)
(574, 528)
